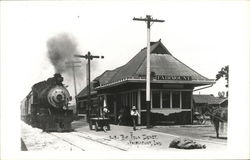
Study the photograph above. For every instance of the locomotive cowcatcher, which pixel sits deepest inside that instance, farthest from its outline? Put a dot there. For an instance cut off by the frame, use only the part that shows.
(46, 106)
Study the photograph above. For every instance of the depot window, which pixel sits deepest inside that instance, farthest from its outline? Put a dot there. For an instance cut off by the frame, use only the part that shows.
(186, 99)
(82, 107)
(143, 100)
(166, 99)
(156, 99)
(176, 99)
(110, 104)
(134, 95)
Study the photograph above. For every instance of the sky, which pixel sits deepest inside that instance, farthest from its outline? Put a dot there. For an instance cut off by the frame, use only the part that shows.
(200, 34)
(205, 35)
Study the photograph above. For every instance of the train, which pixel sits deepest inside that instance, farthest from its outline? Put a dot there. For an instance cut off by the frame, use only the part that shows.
(47, 106)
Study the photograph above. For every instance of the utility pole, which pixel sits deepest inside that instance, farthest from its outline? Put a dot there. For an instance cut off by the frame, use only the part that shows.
(148, 19)
(89, 57)
(72, 64)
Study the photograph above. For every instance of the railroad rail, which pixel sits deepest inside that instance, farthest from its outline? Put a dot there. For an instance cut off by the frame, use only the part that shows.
(80, 140)
(86, 137)
(67, 141)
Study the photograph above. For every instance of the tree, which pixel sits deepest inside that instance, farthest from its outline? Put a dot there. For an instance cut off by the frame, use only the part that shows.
(223, 73)
(217, 115)
(220, 114)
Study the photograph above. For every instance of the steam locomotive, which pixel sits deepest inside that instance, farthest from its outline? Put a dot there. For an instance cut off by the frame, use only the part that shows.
(46, 106)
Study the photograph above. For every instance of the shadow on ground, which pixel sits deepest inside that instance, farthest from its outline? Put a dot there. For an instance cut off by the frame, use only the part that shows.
(23, 146)
(225, 138)
(78, 124)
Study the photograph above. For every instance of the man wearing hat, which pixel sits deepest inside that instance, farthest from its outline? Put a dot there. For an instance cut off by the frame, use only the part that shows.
(105, 111)
(134, 113)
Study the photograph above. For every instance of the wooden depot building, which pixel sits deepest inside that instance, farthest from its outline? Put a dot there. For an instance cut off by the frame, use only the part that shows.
(172, 85)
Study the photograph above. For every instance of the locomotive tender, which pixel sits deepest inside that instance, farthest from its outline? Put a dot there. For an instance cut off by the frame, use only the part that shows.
(46, 106)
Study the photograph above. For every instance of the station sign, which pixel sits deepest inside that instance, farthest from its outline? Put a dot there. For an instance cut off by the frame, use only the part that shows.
(168, 77)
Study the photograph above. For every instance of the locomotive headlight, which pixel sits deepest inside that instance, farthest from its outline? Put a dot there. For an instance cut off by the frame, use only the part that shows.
(59, 97)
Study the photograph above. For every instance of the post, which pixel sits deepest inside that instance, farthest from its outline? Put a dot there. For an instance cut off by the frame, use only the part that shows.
(74, 77)
(192, 108)
(89, 91)
(72, 65)
(148, 106)
(139, 105)
(148, 19)
(89, 57)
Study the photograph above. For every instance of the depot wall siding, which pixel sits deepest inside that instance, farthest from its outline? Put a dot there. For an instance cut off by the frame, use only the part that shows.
(166, 112)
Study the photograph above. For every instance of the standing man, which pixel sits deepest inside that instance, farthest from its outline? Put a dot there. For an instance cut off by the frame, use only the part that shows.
(134, 113)
(105, 116)
(105, 111)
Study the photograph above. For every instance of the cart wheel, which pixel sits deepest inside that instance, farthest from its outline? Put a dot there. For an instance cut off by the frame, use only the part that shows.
(43, 126)
(203, 120)
(90, 125)
(200, 121)
(105, 128)
(96, 126)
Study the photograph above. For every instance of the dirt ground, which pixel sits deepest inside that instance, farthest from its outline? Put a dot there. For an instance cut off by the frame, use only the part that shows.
(156, 138)
(206, 132)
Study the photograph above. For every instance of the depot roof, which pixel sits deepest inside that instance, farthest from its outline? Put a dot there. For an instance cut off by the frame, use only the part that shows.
(208, 99)
(162, 63)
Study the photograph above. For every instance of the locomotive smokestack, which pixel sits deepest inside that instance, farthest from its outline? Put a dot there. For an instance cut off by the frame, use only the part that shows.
(61, 49)
(58, 77)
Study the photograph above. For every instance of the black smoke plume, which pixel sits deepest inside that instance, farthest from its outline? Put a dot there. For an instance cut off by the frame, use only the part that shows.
(61, 49)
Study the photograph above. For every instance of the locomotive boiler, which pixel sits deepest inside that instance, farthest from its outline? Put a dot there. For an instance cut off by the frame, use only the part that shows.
(46, 106)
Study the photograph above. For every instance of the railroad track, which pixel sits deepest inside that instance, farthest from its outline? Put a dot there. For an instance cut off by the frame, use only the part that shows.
(98, 141)
(83, 142)
(67, 141)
